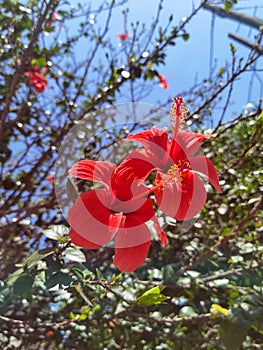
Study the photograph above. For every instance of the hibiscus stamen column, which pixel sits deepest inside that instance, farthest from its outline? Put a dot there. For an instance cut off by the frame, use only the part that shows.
(177, 114)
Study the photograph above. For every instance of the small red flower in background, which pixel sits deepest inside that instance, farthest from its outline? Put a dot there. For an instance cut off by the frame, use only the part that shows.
(49, 334)
(50, 178)
(37, 79)
(118, 211)
(52, 19)
(178, 190)
(162, 82)
(123, 36)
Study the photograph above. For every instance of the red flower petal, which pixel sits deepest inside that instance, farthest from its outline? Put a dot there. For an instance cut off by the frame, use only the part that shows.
(163, 239)
(130, 257)
(133, 231)
(90, 218)
(136, 165)
(50, 178)
(154, 135)
(39, 87)
(93, 170)
(54, 16)
(185, 144)
(81, 241)
(123, 36)
(162, 82)
(36, 79)
(138, 212)
(193, 200)
(169, 198)
(161, 235)
(128, 178)
(156, 141)
(182, 201)
(205, 167)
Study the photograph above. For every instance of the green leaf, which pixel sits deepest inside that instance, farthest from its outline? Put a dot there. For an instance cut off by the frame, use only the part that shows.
(185, 36)
(83, 317)
(152, 296)
(59, 278)
(232, 48)
(169, 272)
(55, 232)
(218, 311)
(228, 6)
(96, 308)
(40, 62)
(74, 254)
(14, 276)
(23, 286)
(72, 316)
(151, 74)
(33, 259)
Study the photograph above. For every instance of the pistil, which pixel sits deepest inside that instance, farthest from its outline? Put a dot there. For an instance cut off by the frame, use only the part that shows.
(177, 114)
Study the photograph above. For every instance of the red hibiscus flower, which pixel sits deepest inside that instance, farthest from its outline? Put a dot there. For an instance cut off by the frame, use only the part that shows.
(118, 210)
(37, 80)
(178, 190)
(123, 36)
(162, 82)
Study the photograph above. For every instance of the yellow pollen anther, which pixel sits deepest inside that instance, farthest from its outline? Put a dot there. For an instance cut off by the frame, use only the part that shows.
(174, 175)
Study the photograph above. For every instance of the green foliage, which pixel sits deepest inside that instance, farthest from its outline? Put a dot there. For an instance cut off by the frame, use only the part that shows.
(186, 36)
(40, 62)
(218, 311)
(23, 286)
(56, 232)
(152, 296)
(229, 4)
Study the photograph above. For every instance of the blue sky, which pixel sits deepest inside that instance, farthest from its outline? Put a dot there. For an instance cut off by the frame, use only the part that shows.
(190, 60)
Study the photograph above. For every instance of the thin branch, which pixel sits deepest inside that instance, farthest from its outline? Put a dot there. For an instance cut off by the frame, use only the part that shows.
(27, 324)
(238, 271)
(161, 320)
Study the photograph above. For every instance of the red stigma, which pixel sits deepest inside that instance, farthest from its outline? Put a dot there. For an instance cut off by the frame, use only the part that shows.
(178, 101)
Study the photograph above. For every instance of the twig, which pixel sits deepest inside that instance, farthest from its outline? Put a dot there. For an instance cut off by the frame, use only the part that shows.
(253, 57)
(27, 324)
(161, 320)
(232, 272)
